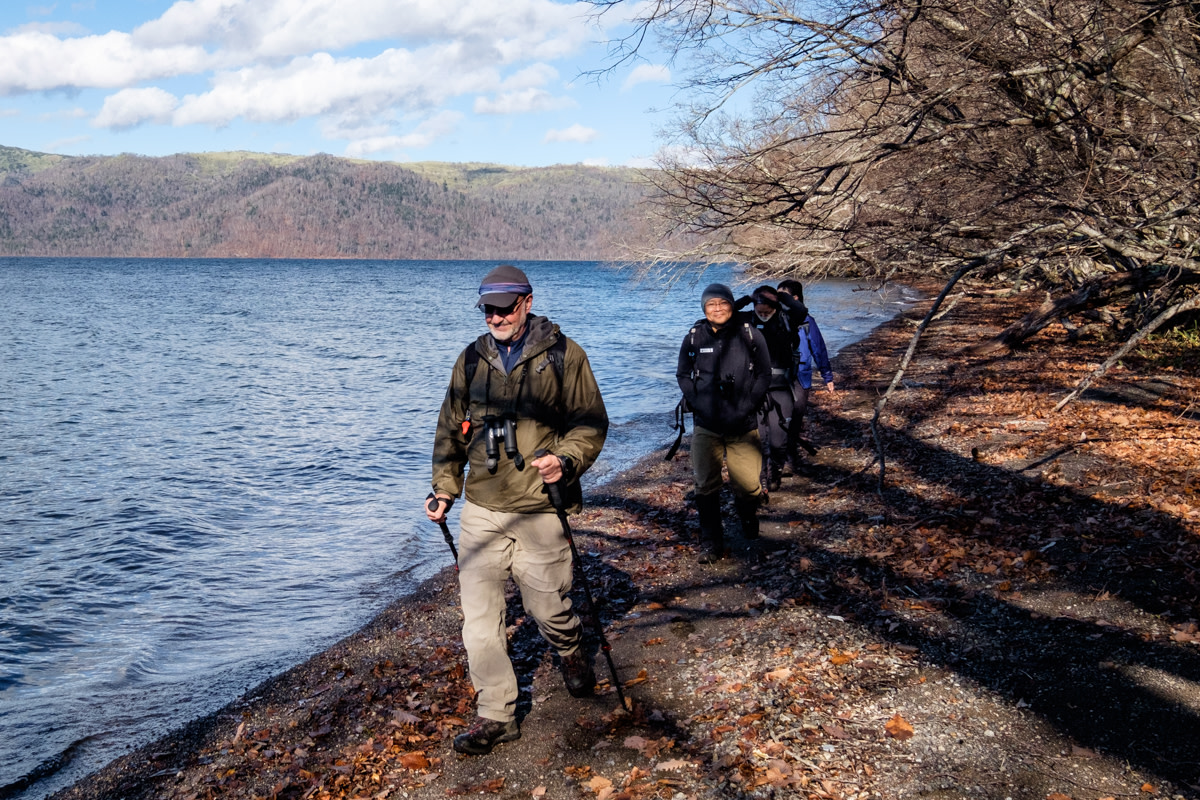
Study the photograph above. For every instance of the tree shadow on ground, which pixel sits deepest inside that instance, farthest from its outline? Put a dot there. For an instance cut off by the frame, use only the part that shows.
(1120, 687)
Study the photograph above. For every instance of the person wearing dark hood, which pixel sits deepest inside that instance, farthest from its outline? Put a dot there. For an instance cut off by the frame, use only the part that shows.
(520, 388)
(724, 370)
(809, 355)
(776, 410)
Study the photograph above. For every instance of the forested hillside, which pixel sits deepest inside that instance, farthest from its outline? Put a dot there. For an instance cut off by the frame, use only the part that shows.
(270, 206)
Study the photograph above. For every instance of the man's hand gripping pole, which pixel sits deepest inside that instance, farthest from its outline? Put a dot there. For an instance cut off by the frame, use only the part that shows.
(432, 504)
(556, 499)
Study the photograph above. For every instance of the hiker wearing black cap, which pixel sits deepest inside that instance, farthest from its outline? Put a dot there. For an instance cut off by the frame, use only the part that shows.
(520, 388)
(809, 354)
(724, 370)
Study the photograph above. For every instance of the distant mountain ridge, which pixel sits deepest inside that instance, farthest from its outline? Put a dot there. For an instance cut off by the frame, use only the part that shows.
(257, 205)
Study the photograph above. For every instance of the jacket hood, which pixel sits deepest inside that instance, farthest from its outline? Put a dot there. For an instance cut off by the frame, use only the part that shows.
(540, 333)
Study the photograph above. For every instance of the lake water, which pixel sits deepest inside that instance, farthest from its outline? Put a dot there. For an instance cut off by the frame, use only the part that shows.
(212, 469)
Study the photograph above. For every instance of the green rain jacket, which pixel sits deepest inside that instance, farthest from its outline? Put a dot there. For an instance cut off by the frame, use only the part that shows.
(566, 417)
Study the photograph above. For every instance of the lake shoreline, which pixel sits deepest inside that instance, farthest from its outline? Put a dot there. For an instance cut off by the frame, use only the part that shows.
(946, 636)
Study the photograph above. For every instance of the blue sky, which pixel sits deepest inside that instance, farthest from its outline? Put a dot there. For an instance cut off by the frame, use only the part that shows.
(397, 80)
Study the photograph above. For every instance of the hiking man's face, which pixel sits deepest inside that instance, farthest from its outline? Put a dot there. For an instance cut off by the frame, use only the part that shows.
(508, 323)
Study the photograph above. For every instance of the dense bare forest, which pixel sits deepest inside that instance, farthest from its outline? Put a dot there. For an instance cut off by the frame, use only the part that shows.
(1011, 143)
(267, 206)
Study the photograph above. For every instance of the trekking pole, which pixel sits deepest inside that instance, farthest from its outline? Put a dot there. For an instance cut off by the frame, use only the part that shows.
(680, 411)
(556, 499)
(432, 505)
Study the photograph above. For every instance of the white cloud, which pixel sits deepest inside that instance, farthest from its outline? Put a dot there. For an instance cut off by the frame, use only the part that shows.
(34, 61)
(52, 28)
(595, 162)
(364, 71)
(131, 107)
(524, 101)
(575, 133)
(423, 135)
(534, 75)
(194, 36)
(320, 85)
(647, 73)
(279, 29)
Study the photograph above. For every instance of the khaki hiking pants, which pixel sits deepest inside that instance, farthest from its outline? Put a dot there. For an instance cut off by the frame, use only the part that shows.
(741, 454)
(532, 548)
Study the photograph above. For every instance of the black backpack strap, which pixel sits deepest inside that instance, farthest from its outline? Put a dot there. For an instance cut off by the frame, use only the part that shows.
(470, 362)
(556, 355)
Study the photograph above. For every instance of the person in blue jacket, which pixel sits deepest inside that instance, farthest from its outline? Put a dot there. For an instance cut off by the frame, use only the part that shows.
(810, 355)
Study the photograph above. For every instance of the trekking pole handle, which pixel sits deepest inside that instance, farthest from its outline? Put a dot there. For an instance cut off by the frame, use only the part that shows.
(433, 500)
(431, 503)
(553, 489)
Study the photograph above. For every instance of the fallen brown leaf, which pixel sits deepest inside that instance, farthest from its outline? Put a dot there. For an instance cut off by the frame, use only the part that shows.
(599, 782)
(414, 761)
(642, 677)
(898, 728)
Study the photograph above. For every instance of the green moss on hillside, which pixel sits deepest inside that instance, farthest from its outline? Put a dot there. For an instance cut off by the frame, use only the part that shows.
(16, 160)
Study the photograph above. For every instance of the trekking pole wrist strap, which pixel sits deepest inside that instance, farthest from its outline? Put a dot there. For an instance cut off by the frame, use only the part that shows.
(432, 501)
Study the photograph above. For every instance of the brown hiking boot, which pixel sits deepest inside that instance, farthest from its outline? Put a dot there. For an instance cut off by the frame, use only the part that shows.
(480, 738)
(578, 674)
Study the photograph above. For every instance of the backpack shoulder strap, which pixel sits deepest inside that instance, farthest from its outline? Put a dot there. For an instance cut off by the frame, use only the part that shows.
(556, 355)
(470, 362)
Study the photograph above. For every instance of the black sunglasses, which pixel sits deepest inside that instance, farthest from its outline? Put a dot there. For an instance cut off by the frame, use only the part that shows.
(504, 311)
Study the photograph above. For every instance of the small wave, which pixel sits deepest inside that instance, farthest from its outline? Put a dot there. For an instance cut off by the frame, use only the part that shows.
(44, 770)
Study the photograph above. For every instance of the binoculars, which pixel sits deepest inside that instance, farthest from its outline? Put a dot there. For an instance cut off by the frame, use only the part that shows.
(497, 430)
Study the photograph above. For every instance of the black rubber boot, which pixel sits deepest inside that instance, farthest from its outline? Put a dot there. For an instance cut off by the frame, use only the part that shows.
(747, 511)
(712, 532)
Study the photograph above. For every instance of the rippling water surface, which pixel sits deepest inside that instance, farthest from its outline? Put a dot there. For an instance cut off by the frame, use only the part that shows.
(209, 470)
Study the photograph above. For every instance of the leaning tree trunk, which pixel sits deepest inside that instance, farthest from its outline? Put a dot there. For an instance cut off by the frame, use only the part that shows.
(1096, 293)
(1153, 325)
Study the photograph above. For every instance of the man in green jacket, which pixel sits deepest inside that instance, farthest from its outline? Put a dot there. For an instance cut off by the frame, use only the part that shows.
(521, 388)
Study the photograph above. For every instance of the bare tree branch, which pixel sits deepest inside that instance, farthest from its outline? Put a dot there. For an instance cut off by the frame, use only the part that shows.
(1148, 328)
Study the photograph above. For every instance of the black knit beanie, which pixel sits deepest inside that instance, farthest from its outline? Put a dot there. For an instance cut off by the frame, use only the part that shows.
(714, 290)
